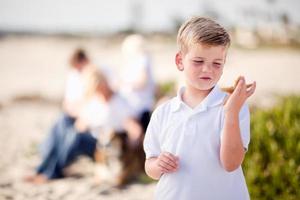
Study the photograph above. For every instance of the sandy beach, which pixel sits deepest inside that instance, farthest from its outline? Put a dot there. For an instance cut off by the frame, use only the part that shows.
(32, 72)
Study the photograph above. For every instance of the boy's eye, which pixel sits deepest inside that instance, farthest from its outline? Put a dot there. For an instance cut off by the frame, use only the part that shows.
(217, 64)
(198, 61)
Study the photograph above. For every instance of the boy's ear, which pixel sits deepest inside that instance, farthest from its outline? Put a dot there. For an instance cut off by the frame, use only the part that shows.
(178, 61)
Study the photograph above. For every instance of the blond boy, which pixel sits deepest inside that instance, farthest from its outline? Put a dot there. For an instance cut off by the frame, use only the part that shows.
(195, 143)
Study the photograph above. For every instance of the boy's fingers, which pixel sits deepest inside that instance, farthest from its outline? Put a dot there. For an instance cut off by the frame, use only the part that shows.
(171, 156)
(251, 89)
(167, 165)
(249, 85)
(237, 81)
(168, 154)
(240, 85)
(167, 169)
(168, 162)
(163, 169)
(243, 83)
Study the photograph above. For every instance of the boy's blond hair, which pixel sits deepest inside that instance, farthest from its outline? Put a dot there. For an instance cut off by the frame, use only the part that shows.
(201, 30)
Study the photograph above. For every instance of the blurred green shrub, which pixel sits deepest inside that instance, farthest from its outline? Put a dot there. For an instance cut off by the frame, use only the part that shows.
(165, 89)
(272, 164)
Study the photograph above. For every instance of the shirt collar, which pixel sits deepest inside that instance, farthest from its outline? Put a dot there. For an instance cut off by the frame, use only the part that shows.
(214, 98)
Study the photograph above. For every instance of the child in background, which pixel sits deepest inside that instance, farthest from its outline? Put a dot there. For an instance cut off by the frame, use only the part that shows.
(196, 142)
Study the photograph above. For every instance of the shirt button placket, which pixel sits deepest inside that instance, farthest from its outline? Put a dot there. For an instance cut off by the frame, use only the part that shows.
(189, 125)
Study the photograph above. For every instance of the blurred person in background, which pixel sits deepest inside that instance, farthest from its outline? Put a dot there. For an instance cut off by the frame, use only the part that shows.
(113, 120)
(97, 114)
(73, 97)
(74, 85)
(137, 83)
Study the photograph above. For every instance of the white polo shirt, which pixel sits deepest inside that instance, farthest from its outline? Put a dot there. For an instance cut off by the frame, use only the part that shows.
(194, 135)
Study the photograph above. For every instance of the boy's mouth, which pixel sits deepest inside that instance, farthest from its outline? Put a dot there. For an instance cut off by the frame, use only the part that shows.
(205, 78)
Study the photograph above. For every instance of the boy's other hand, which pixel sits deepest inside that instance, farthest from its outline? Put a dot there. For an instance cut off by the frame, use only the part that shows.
(167, 162)
(240, 94)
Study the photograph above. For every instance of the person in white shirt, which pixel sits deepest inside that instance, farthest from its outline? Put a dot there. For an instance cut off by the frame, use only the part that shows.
(101, 110)
(104, 108)
(196, 142)
(137, 82)
(74, 90)
(73, 96)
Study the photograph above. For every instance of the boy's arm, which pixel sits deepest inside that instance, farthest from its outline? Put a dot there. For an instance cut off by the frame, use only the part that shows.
(157, 161)
(232, 150)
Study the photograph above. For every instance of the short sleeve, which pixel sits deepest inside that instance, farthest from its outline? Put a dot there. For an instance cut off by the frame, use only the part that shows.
(151, 141)
(244, 118)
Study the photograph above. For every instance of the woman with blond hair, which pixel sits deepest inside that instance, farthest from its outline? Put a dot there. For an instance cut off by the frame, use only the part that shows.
(101, 110)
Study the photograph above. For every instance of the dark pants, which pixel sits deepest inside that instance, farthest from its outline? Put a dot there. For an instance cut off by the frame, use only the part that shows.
(63, 145)
(144, 119)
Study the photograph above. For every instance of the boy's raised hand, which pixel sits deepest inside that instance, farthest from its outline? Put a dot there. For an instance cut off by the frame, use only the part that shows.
(167, 162)
(239, 95)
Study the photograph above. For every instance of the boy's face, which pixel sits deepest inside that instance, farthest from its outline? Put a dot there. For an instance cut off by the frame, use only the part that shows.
(202, 65)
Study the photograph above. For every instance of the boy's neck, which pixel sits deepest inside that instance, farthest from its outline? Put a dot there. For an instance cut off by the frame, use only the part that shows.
(193, 97)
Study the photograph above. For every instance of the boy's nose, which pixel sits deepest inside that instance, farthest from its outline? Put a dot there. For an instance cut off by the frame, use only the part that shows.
(206, 68)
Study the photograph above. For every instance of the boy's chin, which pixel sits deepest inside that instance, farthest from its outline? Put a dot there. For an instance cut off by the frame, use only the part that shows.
(204, 87)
